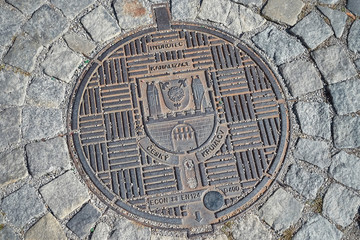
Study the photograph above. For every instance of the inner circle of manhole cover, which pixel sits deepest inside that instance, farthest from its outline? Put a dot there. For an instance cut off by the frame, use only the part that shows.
(177, 125)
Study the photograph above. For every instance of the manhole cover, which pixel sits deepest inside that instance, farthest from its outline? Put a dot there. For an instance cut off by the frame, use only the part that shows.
(178, 125)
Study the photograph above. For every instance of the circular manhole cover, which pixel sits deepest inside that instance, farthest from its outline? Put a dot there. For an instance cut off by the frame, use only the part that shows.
(178, 126)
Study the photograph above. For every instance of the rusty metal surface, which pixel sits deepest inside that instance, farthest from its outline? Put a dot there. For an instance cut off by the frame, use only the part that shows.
(178, 126)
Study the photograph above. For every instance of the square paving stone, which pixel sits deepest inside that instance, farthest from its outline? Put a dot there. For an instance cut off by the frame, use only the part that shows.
(354, 6)
(64, 194)
(13, 88)
(131, 14)
(334, 63)
(281, 210)
(8, 234)
(337, 19)
(353, 37)
(126, 229)
(12, 167)
(26, 6)
(314, 152)
(278, 45)
(46, 228)
(301, 77)
(345, 96)
(346, 130)
(345, 168)
(23, 53)
(46, 25)
(314, 118)
(243, 19)
(102, 231)
(22, 205)
(46, 92)
(312, 29)
(71, 8)
(184, 9)
(304, 182)
(100, 24)
(11, 20)
(45, 157)
(318, 228)
(41, 123)
(215, 10)
(341, 204)
(283, 10)
(79, 43)
(9, 127)
(250, 227)
(61, 62)
(84, 220)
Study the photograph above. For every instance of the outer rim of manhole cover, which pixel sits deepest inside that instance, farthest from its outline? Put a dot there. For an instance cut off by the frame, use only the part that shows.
(213, 201)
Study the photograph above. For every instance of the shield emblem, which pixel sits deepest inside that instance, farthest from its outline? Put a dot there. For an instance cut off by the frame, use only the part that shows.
(176, 93)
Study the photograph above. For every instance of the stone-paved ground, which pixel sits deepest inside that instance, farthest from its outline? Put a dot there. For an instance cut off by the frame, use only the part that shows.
(312, 46)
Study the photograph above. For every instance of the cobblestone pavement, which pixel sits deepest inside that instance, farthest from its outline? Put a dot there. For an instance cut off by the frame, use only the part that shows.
(312, 46)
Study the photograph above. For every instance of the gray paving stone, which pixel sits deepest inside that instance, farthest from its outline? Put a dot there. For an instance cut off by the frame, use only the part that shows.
(12, 167)
(46, 92)
(314, 152)
(184, 9)
(340, 204)
(353, 37)
(281, 210)
(334, 63)
(13, 88)
(243, 19)
(101, 232)
(84, 220)
(46, 25)
(26, 6)
(9, 127)
(301, 77)
(79, 44)
(61, 62)
(353, 6)
(328, 1)
(278, 45)
(46, 228)
(38, 123)
(337, 19)
(250, 227)
(283, 10)
(250, 3)
(23, 53)
(45, 157)
(346, 130)
(126, 229)
(318, 228)
(8, 234)
(357, 64)
(22, 205)
(10, 20)
(345, 168)
(100, 25)
(72, 8)
(215, 10)
(64, 194)
(312, 29)
(304, 182)
(131, 14)
(345, 96)
(314, 118)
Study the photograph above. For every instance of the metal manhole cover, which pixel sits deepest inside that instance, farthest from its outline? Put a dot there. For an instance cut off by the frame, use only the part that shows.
(178, 126)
